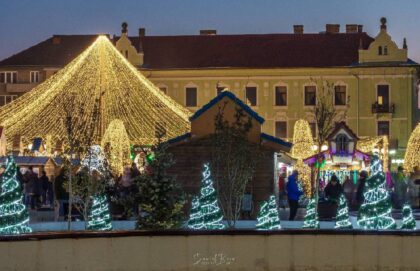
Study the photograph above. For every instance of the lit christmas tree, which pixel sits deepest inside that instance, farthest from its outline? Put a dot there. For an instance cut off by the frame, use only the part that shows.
(99, 218)
(311, 218)
(195, 221)
(13, 213)
(210, 211)
(408, 223)
(342, 217)
(375, 212)
(268, 218)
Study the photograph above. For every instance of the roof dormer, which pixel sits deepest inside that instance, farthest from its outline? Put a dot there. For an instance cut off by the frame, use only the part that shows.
(125, 47)
(383, 49)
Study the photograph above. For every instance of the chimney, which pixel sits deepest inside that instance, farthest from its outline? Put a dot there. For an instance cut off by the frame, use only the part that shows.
(360, 28)
(208, 32)
(332, 28)
(56, 40)
(124, 28)
(142, 33)
(351, 28)
(298, 29)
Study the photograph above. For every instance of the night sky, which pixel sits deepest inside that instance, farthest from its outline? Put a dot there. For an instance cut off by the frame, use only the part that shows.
(24, 23)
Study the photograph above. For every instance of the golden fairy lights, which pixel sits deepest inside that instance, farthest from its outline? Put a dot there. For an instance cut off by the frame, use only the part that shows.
(116, 146)
(412, 154)
(101, 74)
(367, 145)
(304, 175)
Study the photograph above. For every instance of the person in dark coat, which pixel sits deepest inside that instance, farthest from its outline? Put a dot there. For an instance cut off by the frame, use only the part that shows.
(333, 190)
(45, 185)
(360, 187)
(33, 187)
(62, 196)
(293, 194)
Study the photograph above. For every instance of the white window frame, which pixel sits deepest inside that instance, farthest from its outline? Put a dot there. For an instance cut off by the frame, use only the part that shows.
(36, 74)
(190, 85)
(11, 76)
(4, 97)
(316, 94)
(280, 84)
(251, 84)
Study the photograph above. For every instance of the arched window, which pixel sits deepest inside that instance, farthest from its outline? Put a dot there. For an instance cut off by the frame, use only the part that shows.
(385, 50)
(380, 50)
(342, 143)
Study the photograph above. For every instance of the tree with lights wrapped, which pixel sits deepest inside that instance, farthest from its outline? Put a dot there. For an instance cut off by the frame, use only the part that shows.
(375, 212)
(311, 220)
(14, 216)
(195, 221)
(268, 217)
(342, 217)
(412, 158)
(99, 218)
(211, 214)
(408, 223)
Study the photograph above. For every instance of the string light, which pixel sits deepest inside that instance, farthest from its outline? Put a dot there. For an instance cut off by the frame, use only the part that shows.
(209, 208)
(375, 212)
(311, 220)
(268, 217)
(408, 223)
(369, 144)
(14, 216)
(101, 74)
(196, 221)
(117, 146)
(412, 157)
(304, 176)
(342, 217)
(99, 218)
(302, 140)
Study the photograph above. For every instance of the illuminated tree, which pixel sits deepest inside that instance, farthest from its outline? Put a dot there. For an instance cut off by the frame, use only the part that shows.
(98, 75)
(304, 176)
(408, 223)
(117, 146)
(13, 213)
(302, 140)
(342, 220)
(210, 212)
(311, 220)
(412, 157)
(195, 222)
(375, 212)
(268, 217)
(99, 218)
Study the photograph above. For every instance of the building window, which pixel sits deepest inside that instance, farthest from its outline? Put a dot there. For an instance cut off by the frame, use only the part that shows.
(385, 50)
(380, 50)
(5, 99)
(34, 75)
(383, 128)
(8, 77)
(281, 95)
(310, 95)
(281, 129)
(340, 95)
(312, 125)
(382, 95)
(163, 89)
(251, 95)
(126, 54)
(191, 96)
(342, 143)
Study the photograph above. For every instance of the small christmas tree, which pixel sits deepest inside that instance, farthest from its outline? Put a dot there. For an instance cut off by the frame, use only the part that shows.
(342, 217)
(311, 218)
(268, 217)
(195, 221)
(14, 216)
(375, 212)
(408, 223)
(210, 211)
(99, 218)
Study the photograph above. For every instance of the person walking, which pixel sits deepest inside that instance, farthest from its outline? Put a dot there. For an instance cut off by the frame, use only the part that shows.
(293, 194)
(360, 197)
(62, 196)
(401, 187)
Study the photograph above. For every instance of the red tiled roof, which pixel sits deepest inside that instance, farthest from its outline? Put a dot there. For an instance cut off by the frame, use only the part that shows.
(214, 51)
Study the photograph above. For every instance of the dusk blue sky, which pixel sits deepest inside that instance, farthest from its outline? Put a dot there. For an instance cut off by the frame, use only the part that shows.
(24, 23)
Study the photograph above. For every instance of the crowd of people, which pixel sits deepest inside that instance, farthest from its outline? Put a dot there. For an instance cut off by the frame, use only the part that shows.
(402, 189)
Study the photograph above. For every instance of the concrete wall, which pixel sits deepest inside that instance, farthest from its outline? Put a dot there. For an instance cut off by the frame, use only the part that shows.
(239, 250)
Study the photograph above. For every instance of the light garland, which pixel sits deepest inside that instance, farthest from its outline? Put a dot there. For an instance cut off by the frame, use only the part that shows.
(375, 212)
(408, 223)
(311, 220)
(367, 145)
(412, 157)
(268, 217)
(196, 221)
(304, 176)
(14, 216)
(302, 140)
(101, 74)
(99, 218)
(117, 146)
(210, 212)
(342, 217)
